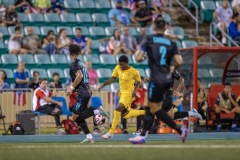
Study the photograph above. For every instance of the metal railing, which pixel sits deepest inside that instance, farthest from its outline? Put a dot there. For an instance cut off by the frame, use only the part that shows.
(195, 18)
(213, 37)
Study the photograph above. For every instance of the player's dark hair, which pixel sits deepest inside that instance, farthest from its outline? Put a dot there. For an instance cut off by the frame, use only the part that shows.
(114, 36)
(227, 84)
(160, 23)
(123, 58)
(17, 28)
(50, 32)
(4, 74)
(43, 79)
(55, 74)
(35, 72)
(235, 15)
(74, 49)
(78, 29)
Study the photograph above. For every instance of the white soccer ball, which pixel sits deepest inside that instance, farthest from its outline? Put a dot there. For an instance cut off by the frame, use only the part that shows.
(99, 119)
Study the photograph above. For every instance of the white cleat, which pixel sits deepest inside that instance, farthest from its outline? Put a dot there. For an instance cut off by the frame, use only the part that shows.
(184, 134)
(88, 140)
(196, 114)
(137, 140)
(106, 136)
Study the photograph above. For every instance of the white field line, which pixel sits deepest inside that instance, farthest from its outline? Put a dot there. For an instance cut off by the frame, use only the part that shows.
(120, 146)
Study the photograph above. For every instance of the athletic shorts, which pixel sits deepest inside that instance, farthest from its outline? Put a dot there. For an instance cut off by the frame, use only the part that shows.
(126, 100)
(81, 105)
(167, 105)
(156, 91)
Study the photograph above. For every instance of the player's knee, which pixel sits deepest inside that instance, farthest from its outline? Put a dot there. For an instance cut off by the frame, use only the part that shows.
(124, 112)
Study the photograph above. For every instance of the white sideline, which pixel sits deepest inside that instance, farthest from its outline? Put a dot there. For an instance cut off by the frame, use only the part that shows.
(121, 146)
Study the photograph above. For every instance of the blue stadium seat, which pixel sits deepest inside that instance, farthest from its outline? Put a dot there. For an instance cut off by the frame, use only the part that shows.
(36, 30)
(3, 49)
(132, 31)
(109, 30)
(85, 31)
(104, 73)
(36, 19)
(9, 59)
(5, 33)
(68, 29)
(84, 19)
(178, 31)
(66, 73)
(58, 59)
(95, 46)
(115, 87)
(97, 32)
(80, 57)
(26, 58)
(11, 30)
(72, 5)
(42, 59)
(45, 29)
(109, 61)
(23, 18)
(42, 72)
(103, 6)
(9, 72)
(68, 19)
(142, 64)
(141, 72)
(52, 19)
(100, 19)
(87, 6)
(167, 18)
(206, 10)
(94, 59)
(51, 71)
(189, 43)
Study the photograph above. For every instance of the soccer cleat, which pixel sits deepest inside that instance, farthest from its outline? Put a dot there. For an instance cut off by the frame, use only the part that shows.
(88, 140)
(219, 128)
(235, 129)
(124, 131)
(136, 133)
(137, 140)
(184, 134)
(60, 131)
(104, 113)
(196, 114)
(106, 136)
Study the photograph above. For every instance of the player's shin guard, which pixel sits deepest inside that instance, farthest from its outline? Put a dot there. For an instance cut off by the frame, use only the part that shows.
(116, 119)
(83, 125)
(168, 120)
(179, 115)
(147, 121)
(134, 113)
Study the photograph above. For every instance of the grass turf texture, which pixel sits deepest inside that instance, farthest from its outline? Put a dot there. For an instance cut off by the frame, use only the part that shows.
(192, 150)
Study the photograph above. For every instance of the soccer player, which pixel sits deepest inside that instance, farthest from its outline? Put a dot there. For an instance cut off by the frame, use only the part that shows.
(129, 80)
(160, 52)
(80, 85)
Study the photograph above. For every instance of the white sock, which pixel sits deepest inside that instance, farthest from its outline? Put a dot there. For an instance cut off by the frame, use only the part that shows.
(190, 113)
(108, 134)
(89, 136)
(96, 111)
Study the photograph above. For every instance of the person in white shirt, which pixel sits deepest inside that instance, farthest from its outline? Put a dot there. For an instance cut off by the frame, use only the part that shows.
(43, 103)
(223, 16)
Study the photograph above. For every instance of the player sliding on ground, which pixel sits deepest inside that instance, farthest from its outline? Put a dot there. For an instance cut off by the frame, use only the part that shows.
(80, 85)
(129, 80)
(160, 51)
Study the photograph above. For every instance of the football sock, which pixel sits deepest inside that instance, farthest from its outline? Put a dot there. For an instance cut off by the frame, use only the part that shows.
(134, 113)
(236, 118)
(147, 121)
(163, 116)
(179, 115)
(116, 119)
(89, 136)
(83, 125)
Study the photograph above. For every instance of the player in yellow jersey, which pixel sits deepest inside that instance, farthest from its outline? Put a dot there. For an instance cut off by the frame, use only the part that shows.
(129, 80)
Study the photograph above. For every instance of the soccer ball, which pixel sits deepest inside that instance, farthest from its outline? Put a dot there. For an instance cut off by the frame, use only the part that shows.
(99, 119)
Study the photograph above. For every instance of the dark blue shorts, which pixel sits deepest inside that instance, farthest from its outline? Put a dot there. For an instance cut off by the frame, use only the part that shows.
(156, 91)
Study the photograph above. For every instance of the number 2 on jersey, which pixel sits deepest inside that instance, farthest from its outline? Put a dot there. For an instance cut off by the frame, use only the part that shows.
(163, 52)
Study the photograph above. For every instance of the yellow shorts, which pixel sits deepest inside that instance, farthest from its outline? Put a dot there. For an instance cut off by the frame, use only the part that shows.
(126, 100)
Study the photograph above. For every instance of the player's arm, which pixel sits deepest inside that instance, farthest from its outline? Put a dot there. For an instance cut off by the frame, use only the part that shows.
(78, 79)
(109, 81)
(39, 94)
(137, 83)
(140, 52)
(178, 60)
(233, 100)
(179, 87)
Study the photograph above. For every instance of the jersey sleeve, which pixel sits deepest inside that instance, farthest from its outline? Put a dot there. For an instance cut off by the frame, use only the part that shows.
(143, 44)
(137, 77)
(40, 94)
(115, 72)
(176, 75)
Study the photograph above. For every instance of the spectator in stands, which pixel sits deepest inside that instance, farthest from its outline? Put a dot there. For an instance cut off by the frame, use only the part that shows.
(142, 35)
(157, 6)
(223, 15)
(57, 6)
(56, 83)
(21, 76)
(84, 42)
(120, 18)
(129, 41)
(225, 102)
(235, 4)
(42, 6)
(43, 103)
(115, 46)
(30, 42)
(35, 82)
(48, 43)
(15, 43)
(11, 17)
(3, 82)
(233, 28)
(143, 15)
(2, 15)
(25, 6)
(93, 77)
(168, 32)
(63, 42)
(202, 99)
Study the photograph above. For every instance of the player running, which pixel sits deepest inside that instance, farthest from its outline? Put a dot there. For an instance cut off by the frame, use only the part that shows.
(129, 80)
(80, 85)
(160, 51)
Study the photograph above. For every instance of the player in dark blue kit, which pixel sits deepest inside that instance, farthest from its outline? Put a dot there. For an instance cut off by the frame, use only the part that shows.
(160, 52)
(80, 84)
